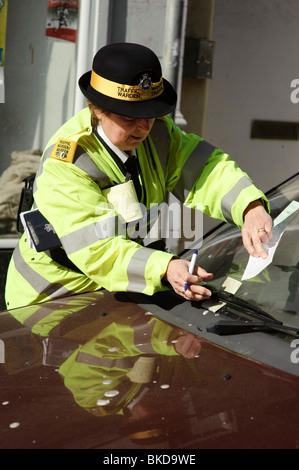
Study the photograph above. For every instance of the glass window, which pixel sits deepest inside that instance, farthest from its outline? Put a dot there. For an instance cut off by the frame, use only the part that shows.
(276, 288)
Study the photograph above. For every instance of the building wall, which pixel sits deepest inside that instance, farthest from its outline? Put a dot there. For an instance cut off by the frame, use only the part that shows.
(195, 92)
(256, 58)
(39, 80)
(255, 61)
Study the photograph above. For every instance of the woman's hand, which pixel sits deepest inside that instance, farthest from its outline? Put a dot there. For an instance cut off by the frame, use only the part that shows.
(188, 345)
(257, 229)
(177, 274)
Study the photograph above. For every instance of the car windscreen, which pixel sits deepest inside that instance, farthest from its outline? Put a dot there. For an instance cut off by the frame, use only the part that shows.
(276, 288)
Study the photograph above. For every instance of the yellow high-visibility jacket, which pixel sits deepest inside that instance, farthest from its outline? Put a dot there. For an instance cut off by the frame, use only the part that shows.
(75, 169)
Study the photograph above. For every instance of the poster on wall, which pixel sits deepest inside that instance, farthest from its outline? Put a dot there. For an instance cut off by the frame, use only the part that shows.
(3, 18)
(62, 19)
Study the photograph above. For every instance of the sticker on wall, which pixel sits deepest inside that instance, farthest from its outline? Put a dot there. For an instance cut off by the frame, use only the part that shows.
(62, 19)
(3, 18)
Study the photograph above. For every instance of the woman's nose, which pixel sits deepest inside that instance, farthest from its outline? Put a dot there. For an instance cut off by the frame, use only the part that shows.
(144, 124)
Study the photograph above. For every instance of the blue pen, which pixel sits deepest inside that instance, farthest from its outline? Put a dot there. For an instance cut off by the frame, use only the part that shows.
(191, 267)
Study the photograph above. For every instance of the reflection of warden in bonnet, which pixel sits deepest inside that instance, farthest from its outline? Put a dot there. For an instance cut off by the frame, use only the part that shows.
(132, 368)
(126, 143)
(112, 366)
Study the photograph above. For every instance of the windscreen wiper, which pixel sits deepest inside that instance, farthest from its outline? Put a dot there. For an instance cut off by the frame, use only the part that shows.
(226, 327)
(244, 308)
(242, 305)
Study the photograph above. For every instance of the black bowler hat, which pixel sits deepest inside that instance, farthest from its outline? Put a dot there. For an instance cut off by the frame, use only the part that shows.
(126, 79)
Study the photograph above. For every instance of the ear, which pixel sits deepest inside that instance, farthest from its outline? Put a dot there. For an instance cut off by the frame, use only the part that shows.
(98, 113)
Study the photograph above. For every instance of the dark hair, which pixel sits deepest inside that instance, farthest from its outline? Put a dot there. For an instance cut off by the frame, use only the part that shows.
(94, 118)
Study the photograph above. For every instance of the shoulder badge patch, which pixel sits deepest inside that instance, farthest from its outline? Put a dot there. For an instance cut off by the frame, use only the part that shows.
(64, 150)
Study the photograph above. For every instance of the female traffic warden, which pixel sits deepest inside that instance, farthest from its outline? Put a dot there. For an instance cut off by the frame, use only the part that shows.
(125, 142)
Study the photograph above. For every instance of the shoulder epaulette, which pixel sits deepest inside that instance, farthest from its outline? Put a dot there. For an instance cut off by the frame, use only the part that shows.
(64, 150)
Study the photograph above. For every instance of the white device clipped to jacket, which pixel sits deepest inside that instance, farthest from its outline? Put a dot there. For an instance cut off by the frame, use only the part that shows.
(124, 200)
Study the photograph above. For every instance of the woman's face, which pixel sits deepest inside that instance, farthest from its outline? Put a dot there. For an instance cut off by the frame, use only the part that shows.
(124, 132)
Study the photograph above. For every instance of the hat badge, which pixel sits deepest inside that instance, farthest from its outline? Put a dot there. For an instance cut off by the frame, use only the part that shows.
(146, 82)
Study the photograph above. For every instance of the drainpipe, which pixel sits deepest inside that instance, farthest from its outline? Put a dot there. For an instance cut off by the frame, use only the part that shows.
(83, 60)
(96, 16)
(173, 54)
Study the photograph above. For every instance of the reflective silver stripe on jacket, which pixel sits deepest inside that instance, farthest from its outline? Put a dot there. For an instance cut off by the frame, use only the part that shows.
(161, 140)
(86, 236)
(142, 340)
(83, 161)
(108, 228)
(230, 198)
(46, 155)
(192, 169)
(143, 331)
(63, 304)
(136, 270)
(93, 360)
(39, 283)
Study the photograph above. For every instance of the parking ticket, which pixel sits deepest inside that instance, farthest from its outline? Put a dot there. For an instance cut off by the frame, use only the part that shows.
(256, 265)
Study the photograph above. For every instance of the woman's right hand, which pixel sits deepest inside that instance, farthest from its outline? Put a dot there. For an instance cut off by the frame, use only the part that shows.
(177, 274)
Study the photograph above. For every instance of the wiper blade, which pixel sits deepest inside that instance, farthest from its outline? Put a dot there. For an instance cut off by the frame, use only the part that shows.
(224, 327)
(233, 303)
(241, 304)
